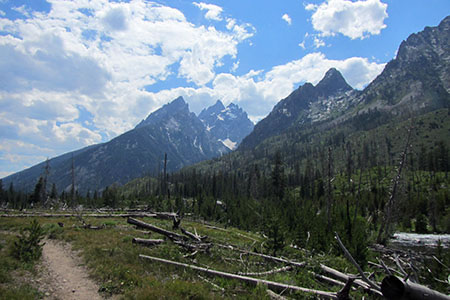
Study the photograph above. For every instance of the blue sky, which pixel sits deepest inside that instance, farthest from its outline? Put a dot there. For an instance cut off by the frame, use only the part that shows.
(75, 73)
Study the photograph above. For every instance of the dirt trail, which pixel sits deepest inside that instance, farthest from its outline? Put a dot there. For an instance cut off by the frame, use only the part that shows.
(62, 276)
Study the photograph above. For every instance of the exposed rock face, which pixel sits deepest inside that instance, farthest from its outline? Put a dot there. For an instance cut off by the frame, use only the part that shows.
(416, 81)
(307, 104)
(229, 125)
(419, 77)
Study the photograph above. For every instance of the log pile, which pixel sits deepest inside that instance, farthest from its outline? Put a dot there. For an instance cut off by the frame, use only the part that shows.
(391, 287)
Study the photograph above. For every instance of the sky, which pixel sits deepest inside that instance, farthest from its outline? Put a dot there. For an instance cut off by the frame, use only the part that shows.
(76, 73)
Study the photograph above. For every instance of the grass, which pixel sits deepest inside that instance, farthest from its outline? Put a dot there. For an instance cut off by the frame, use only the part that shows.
(114, 263)
(12, 271)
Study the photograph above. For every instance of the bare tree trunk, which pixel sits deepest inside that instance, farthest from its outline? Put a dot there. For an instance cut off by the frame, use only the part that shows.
(254, 281)
(169, 234)
(394, 288)
(147, 242)
(385, 226)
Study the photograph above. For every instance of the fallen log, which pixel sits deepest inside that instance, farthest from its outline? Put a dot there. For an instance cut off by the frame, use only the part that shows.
(393, 287)
(278, 270)
(254, 281)
(190, 234)
(347, 254)
(273, 258)
(344, 277)
(45, 215)
(147, 242)
(171, 235)
(165, 215)
(195, 236)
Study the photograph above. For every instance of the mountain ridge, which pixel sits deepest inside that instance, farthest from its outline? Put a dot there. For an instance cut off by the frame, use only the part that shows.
(172, 129)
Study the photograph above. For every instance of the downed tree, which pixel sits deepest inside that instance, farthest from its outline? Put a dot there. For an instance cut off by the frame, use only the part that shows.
(393, 287)
(254, 281)
(194, 247)
(171, 235)
(100, 215)
(344, 277)
(147, 242)
(278, 270)
(195, 236)
(273, 258)
(347, 254)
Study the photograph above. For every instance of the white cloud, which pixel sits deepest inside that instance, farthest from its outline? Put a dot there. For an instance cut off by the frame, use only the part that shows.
(318, 42)
(354, 19)
(257, 92)
(235, 66)
(89, 62)
(287, 19)
(213, 12)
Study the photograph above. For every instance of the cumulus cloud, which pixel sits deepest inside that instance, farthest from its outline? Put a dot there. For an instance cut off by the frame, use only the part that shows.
(213, 12)
(78, 74)
(287, 19)
(354, 19)
(258, 91)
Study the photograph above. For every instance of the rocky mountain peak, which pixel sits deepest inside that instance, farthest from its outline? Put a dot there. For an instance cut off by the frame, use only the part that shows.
(213, 110)
(228, 125)
(170, 109)
(333, 82)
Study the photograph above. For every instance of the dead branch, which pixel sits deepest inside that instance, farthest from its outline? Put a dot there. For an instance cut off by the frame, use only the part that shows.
(212, 283)
(327, 279)
(254, 281)
(344, 277)
(193, 236)
(399, 265)
(171, 235)
(147, 242)
(274, 295)
(393, 287)
(278, 270)
(216, 228)
(190, 254)
(352, 260)
(165, 215)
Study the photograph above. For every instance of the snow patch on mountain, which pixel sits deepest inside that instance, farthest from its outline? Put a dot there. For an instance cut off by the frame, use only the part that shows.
(229, 143)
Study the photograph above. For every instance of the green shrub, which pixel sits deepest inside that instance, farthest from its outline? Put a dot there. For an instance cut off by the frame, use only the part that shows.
(54, 231)
(28, 247)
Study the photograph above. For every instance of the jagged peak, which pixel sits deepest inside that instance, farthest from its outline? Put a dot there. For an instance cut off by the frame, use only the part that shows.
(213, 109)
(175, 106)
(332, 82)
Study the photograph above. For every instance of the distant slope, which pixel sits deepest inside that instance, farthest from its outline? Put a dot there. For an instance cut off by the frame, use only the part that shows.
(172, 129)
(305, 105)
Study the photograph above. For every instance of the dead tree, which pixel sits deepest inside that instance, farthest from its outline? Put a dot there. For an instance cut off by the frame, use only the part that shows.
(171, 235)
(385, 226)
(393, 287)
(147, 242)
(254, 281)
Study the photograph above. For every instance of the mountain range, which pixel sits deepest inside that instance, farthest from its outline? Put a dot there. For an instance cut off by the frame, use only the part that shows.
(415, 82)
(171, 130)
(412, 91)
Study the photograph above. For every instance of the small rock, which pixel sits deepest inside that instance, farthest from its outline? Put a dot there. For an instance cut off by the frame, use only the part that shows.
(73, 291)
(47, 294)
